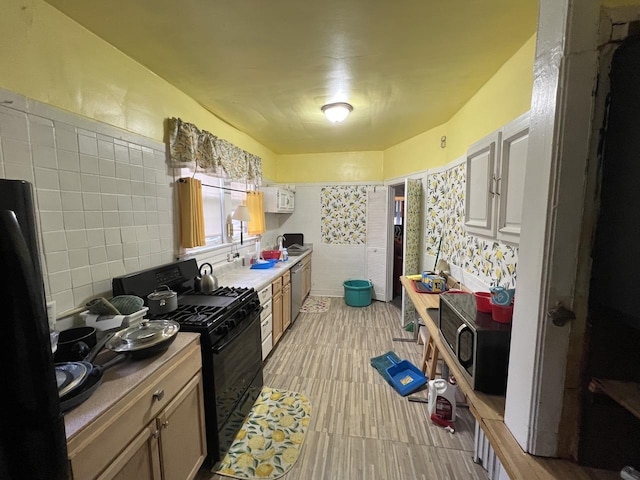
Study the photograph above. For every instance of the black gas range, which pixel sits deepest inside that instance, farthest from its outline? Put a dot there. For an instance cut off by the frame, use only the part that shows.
(228, 320)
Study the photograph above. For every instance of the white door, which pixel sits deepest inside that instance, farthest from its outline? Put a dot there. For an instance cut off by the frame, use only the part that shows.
(411, 241)
(379, 255)
(564, 78)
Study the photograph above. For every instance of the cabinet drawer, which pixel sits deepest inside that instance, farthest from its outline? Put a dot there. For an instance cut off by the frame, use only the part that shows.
(266, 310)
(266, 327)
(105, 438)
(265, 294)
(286, 278)
(277, 286)
(267, 345)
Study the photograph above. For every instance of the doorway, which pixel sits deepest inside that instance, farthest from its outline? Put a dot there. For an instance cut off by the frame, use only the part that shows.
(398, 241)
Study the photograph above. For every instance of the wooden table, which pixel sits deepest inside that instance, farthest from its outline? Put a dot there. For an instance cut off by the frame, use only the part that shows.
(488, 411)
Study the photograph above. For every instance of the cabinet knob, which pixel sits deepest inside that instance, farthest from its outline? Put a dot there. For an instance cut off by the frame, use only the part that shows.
(158, 395)
(165, 424)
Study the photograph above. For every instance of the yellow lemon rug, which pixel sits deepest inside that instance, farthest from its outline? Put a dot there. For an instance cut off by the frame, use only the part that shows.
(269, 442)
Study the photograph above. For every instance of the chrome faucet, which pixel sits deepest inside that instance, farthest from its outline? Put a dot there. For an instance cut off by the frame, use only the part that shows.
(279, 240)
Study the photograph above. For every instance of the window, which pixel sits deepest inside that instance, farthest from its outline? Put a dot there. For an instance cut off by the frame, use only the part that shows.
(220, 198)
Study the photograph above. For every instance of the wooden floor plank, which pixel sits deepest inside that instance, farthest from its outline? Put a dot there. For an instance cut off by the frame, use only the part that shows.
(361, 428)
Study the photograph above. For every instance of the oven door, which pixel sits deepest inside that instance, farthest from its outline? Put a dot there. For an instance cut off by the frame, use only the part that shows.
(237, 374)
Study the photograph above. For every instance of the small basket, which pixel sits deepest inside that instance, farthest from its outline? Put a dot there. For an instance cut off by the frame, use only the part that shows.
(357, 293)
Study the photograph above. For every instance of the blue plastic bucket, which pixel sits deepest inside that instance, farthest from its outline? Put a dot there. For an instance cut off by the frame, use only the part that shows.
(357, 293)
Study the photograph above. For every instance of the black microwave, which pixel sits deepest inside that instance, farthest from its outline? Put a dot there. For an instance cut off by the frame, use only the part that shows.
(479, 345)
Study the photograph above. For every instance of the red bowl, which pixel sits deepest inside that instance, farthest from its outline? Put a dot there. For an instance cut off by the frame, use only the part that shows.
(271, 254)
(483, 301)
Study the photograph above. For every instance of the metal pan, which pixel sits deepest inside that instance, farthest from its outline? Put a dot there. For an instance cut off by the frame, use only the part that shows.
(145, 339)
(139, 341)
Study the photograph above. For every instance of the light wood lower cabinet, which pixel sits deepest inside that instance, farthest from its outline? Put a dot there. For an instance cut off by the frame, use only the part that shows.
(155, 432)
(306, 277)
(286, 301)
(277, 310)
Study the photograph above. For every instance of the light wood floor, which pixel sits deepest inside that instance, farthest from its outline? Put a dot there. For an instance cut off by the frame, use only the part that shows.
(361, 428)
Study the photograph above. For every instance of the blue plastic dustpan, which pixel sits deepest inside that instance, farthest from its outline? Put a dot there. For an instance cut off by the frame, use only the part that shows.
(405, 377)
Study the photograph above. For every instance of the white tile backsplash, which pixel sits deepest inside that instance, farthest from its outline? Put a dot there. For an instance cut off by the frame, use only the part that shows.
(77, 239)
(89, 183)
(106, 149)
(93, 220)
(69, 181)
(88, 163)
(73, 220)
(54, 241)
(66, 137)
(97, 255)
(88, 144)
(16, 151)
(46, 178)
(44, 157)
(85, 173)
(13, 125)
(19, 172)
(78, 257)
(81, 276)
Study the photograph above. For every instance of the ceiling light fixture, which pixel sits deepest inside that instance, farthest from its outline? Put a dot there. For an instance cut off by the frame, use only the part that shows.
(337, 112)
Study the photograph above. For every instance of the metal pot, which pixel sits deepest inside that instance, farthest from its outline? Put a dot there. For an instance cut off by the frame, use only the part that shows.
(74, 344)
(162, 300)
(206, 282)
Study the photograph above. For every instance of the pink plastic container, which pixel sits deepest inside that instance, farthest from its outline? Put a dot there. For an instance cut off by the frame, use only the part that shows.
(501, 313)
(483, 301)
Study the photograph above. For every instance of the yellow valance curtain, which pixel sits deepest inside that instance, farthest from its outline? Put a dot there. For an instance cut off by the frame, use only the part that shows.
(255, 204)
(191, 213)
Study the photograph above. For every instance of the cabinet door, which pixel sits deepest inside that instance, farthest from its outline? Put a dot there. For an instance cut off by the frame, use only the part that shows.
(277, 317)
(286, 306)
(140, 459)
(510, 182)
(481, 178)
(306, 277)
(182, 433)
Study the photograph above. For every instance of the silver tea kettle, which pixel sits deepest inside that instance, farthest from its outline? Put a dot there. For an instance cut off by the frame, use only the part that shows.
(206, 282)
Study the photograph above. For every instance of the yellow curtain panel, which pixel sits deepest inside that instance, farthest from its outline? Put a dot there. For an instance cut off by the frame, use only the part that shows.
(191, 213)
(255, 204)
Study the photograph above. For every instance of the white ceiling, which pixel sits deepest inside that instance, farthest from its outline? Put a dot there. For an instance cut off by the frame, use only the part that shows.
(267, 66)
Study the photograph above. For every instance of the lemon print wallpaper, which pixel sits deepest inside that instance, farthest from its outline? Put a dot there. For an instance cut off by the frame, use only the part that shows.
(491, 261)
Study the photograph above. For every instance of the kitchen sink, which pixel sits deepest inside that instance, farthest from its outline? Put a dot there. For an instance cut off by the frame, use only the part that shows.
(297, 251)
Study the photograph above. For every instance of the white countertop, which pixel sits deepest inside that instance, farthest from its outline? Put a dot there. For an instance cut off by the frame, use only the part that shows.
(257, 278)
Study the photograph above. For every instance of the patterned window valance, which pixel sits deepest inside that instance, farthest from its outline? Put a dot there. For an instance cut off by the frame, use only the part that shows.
(195, 148)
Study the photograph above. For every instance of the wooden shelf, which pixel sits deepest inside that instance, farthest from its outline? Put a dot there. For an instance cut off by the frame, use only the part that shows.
(488, 410)
(627, 394)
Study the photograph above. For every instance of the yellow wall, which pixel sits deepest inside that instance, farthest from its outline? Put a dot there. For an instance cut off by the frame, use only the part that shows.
(46, 56)
(504, 97)
(330, 167)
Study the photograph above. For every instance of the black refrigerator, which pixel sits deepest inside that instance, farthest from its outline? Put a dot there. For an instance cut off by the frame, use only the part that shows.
(32, 435)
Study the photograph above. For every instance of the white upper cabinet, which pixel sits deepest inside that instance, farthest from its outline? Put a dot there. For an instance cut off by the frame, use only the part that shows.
(278, 199)
(495, 182)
